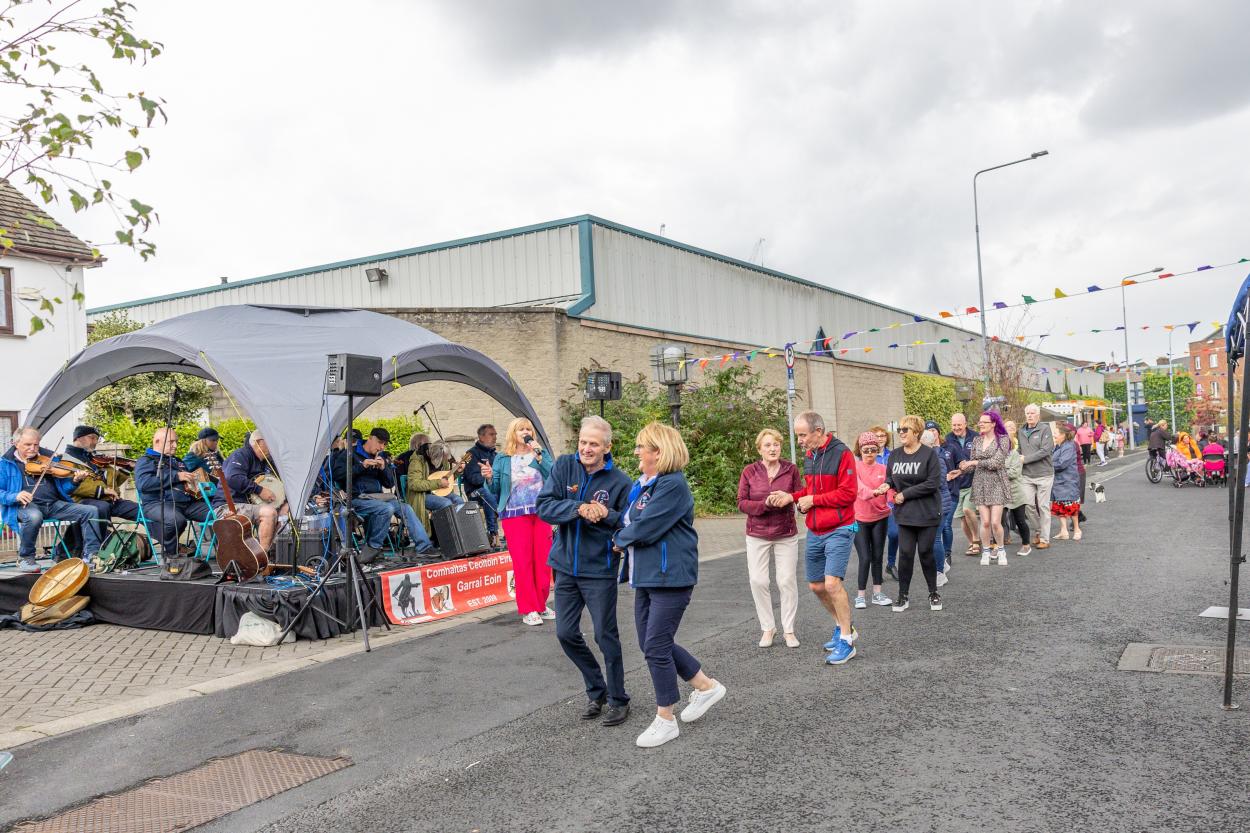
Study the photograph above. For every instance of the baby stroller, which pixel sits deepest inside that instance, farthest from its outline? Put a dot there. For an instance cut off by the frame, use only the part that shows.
(1184, 470)
(1214, 465)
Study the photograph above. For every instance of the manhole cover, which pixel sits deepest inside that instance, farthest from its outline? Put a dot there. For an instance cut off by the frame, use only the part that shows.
(191, 798)
(1182, 659)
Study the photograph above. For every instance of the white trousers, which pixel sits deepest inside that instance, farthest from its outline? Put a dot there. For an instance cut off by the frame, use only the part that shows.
(1037, 501)
(785, 553)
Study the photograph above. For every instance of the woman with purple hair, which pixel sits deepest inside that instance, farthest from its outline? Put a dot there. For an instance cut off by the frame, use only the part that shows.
(991, 491)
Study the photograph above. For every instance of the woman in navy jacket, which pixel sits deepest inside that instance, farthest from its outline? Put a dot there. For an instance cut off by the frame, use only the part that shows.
(662, 563)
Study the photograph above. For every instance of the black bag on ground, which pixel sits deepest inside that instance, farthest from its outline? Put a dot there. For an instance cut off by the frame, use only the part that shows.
(185, 569)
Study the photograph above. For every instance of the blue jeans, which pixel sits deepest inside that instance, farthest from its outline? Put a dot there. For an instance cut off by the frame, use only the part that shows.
(31, 517)
(488, 509)
(434, 502)
(891, 538)
(377, 515)
(657, 613)
(946, 533)
(598, 595)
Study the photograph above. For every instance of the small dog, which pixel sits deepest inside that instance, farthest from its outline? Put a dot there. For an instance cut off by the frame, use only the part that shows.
(1100, 492)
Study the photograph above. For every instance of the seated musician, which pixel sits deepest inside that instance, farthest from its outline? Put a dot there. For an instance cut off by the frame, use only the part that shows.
(25, 506)
(242, 467)
(371, 476)
(201, 452)
(424, 458)
(97, 489)
(168, 491)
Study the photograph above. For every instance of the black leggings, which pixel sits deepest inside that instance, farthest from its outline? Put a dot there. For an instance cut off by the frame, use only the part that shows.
(1019, 519)
(870, 544)
(1086, 452)
(910, 540)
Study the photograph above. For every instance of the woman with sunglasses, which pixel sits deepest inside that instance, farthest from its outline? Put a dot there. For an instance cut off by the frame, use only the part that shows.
(987, 460)
(914, 476)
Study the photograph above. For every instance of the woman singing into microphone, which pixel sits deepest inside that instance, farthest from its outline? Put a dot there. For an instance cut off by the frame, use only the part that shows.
(513, 485)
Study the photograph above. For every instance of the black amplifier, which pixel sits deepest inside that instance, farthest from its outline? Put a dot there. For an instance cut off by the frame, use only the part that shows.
(460, 530)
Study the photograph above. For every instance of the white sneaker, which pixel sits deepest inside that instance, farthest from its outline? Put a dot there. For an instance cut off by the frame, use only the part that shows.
(24, 566)
(548, 614)
(985, 558)
(1002, 557)
(1025, 550)
(532, 619)
(942, 579)
(701, 701)
(660, 732)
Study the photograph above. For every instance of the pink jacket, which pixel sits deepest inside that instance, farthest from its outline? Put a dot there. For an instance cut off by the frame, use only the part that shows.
(870, 507)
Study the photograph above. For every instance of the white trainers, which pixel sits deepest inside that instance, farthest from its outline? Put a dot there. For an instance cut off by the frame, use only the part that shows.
(660, 732)
(548, 614)
(24, 566)
(701, 701)
(942, 579)
(1025, 550)
(1002, 557)
(532, 619)
(985, 558)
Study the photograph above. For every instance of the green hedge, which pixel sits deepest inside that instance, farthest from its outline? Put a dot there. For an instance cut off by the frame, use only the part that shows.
(930, 398)
(138, 435)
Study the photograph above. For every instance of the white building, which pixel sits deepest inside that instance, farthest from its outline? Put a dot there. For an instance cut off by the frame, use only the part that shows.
(45, 261)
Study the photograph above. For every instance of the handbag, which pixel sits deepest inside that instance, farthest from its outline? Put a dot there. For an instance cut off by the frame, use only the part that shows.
(185, 568)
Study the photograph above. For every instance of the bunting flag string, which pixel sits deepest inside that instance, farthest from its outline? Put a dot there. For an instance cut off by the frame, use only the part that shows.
(831, 346)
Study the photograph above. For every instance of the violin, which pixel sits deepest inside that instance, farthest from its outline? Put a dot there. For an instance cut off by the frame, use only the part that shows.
(105, 460)
(42, 465)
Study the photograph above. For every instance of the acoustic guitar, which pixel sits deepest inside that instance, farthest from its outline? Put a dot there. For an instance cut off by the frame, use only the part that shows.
(451, 475)
(236, 539)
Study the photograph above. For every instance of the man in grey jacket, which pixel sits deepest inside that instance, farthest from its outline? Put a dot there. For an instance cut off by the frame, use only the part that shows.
(1037, 447)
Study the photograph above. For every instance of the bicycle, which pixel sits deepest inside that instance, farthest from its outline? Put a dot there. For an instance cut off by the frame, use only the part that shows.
(1156, 468)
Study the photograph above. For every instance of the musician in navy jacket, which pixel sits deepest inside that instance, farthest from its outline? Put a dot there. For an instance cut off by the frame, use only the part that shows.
(242, 467)
(662, 563)
(583, 496)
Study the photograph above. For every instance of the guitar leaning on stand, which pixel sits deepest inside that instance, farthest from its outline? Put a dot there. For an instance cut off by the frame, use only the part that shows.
(239, 554)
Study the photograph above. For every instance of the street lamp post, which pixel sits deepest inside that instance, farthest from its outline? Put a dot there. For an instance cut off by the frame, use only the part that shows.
(976, 217)
(1128, 371)
(672, 369)
(1171, 383)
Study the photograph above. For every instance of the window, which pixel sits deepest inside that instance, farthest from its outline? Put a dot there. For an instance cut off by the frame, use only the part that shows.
(8, 423)
(1215, 360)
(6, 302)
(1215, 390)
(1197, 362)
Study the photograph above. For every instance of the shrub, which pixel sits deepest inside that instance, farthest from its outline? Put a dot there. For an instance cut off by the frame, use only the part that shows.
(930, 398)
(720, 417)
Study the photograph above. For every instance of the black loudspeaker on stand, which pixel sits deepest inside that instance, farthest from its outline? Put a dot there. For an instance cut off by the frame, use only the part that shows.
(460, 530)
(348, 375)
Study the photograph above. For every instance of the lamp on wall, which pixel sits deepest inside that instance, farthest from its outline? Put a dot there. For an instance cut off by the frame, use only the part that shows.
(376, 274)
(672, 369)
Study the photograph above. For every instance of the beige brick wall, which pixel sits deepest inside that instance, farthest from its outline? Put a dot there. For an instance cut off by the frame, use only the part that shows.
(544, 350)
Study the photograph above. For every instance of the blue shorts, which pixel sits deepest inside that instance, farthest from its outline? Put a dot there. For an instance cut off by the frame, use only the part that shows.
(828, 554)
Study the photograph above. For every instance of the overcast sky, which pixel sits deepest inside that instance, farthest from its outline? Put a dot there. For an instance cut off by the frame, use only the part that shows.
(844, 134)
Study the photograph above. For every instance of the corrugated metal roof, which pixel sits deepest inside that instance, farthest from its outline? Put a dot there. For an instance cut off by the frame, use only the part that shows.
(34, 232)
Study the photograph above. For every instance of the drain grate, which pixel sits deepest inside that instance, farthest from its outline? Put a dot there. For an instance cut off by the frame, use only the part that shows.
(191, 798)
(1181, 659)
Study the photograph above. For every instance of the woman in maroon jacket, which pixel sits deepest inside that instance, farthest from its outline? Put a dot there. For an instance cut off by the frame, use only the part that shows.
(771, 532)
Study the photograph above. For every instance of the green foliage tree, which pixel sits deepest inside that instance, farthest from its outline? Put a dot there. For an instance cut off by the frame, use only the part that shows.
(720, 417)
(930, 397)
(1156, 387)
(1116, 392)
(63, 130)
(143, 398)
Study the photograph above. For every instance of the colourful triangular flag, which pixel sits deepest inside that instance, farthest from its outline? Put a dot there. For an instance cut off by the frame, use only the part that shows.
(1202, 268)
(999, 305)
(945, 314)
(1059, 293)
(1093, 288)
(752, 354)
(1165, 275)
(944, 341)
(1128, 282)
(867, 349)
(703, 364)
(917, 319)
(892, 346)
(1029, 299)
(972, 310)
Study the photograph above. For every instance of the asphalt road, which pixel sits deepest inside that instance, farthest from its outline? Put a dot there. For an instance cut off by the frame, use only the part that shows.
(1002, 712)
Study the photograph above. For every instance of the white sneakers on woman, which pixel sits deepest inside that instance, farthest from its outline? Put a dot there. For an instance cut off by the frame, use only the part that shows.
(532, 619)
(661, 731)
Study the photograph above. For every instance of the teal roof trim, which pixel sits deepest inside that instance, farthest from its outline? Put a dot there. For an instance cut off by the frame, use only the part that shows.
(358, 261)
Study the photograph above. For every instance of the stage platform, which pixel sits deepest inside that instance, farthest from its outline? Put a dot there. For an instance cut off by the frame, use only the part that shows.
(139, 599)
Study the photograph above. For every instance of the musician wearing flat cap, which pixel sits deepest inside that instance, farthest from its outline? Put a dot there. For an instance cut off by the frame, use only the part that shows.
(98, 488)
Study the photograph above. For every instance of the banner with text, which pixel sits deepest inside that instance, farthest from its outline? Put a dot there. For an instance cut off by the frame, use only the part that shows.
(435, 591)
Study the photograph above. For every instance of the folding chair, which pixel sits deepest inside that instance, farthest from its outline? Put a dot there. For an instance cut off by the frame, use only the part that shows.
(205, 538)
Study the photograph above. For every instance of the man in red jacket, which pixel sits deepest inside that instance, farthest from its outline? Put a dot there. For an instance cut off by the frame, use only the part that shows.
(828, 501)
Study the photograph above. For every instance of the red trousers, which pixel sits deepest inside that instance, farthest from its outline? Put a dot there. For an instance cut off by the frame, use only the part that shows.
(529, 544)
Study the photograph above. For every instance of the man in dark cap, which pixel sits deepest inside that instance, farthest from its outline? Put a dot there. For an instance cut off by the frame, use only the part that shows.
(100, 488)
(201, 452)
